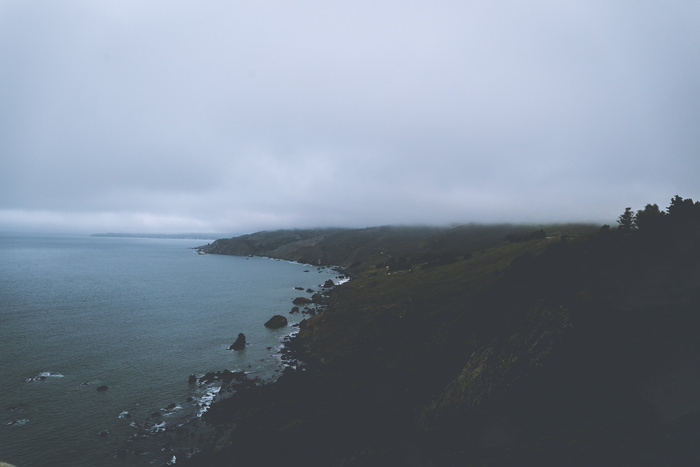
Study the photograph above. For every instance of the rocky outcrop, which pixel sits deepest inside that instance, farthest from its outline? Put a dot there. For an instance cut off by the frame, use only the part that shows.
(240, 342)
(277, 321)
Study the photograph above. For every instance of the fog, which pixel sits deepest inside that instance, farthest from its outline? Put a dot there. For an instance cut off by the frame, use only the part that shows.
(173, 116)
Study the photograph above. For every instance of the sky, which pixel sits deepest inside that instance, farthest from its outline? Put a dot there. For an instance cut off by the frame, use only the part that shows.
(237, 116)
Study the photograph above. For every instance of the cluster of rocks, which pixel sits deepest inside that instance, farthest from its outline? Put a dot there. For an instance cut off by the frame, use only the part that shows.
(225, 376)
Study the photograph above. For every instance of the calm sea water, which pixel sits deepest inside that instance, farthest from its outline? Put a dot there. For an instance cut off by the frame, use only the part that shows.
(136, 315)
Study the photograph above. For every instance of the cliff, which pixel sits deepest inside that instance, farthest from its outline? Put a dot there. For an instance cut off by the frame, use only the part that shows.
(543, 350)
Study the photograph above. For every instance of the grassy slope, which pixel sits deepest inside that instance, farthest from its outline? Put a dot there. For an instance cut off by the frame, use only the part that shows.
(534, 353)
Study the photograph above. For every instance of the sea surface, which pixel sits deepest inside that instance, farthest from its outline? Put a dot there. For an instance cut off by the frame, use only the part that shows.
(138, 315)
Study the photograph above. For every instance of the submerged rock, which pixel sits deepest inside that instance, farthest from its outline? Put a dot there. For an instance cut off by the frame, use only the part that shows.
(277, 321)
(102, 388)
(240, 342)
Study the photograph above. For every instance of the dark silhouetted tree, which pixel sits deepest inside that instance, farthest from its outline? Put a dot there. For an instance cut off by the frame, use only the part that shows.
(684, 213)
(626, 221)
(650, 219)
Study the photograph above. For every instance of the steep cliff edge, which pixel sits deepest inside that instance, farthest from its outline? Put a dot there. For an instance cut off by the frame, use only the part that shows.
(540, 351)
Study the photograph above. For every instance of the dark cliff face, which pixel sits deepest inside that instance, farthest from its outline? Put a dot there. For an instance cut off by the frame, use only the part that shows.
(540, 351)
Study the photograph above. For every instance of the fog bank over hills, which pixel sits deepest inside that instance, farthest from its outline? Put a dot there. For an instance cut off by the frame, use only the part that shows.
(167, 117)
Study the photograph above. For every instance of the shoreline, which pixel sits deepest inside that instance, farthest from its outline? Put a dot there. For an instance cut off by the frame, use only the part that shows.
(200, 435)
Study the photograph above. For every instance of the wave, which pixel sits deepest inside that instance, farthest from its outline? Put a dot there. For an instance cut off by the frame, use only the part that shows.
(205, 401)
(44, 375)
(20, 422)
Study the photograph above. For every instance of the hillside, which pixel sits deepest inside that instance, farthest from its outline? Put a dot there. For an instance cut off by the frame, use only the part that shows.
(352, 248)
(543, 350)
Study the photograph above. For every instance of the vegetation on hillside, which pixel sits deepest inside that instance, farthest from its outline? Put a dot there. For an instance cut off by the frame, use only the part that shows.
(567, 349)
(401, 245)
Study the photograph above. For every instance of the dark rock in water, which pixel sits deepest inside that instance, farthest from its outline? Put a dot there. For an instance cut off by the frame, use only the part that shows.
(171, 406)
(299, 288)
(301, 301)
(192, 379)
(239, 344)
(103, 434)
(210, 377)
(277, 321)
(155, 414)
(294, 310)
(102, 388)
(309, 290)
(189, 399)
(329, 283)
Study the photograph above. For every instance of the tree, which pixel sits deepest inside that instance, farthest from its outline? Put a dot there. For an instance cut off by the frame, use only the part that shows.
(626, 221)
(650, 219)
(684, 213)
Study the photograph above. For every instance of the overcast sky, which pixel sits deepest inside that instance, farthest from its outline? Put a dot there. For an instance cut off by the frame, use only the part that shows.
(231, 116)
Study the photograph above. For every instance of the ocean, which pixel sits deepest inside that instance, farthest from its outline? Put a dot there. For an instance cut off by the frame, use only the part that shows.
(139, 316)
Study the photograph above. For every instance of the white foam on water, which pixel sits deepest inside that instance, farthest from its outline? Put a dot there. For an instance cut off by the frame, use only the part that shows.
(171, 410)
(205, 401)
(44, 375)
(20, 422)
(157, 428)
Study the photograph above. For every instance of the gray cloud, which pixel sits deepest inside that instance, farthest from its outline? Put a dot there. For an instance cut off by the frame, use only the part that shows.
(234, 116)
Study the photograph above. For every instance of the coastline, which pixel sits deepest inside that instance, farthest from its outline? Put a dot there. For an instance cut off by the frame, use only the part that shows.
(503, 356)
(206, 433)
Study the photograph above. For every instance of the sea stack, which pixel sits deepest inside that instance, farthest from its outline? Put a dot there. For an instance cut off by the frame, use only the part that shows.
(240, 342)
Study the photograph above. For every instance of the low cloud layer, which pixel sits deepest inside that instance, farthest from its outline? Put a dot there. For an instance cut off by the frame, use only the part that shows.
(172, 116)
